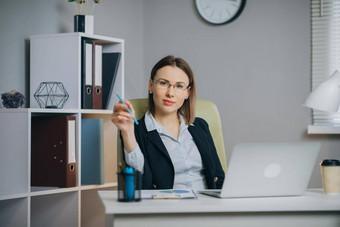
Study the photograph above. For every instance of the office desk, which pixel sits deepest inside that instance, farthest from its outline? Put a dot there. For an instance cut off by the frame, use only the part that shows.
(312, 209)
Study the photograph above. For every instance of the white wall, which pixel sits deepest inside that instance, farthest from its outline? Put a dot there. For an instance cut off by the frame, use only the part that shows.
(256, 69)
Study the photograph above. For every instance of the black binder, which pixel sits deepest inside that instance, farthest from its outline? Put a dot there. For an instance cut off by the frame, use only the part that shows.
(110, 68)
(53, 151)
(86, 74)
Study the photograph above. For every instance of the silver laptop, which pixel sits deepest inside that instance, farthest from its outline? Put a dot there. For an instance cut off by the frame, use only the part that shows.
(268, 169)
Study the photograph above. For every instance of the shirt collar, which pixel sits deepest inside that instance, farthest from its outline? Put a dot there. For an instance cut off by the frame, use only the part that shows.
(151, 124)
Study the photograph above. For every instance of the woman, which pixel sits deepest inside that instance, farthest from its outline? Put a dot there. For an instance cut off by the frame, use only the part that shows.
(171, 147)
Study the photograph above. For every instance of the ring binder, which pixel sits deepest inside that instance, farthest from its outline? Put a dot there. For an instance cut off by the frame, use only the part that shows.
(53, 151)
(86, 71)
(97, 76)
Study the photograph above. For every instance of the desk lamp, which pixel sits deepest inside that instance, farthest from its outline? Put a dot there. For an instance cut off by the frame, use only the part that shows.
(326, 96)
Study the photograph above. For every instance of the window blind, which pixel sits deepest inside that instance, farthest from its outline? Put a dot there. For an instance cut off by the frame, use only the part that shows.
(325, 16)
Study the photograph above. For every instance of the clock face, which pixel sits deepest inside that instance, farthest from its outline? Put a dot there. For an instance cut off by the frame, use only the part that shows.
(219, 11)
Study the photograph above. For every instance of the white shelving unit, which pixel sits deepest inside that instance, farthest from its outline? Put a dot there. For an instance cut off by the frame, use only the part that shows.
(55, 58)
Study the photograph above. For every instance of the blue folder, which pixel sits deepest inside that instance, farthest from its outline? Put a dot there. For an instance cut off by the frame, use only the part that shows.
(92, 151)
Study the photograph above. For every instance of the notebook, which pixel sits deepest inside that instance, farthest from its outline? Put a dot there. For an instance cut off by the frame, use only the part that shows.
(268, 169)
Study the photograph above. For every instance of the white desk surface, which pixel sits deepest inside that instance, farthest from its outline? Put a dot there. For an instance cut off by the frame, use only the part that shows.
(312, 200)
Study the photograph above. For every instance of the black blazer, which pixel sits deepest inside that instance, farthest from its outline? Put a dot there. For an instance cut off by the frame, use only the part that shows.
(158, 168)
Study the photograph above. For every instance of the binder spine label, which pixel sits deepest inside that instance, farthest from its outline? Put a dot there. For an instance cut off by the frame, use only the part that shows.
(98, 65)
(71, 141)
(88, 72)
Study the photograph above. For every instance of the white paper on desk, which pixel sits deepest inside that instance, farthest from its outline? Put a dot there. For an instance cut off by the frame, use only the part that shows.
(182, 193)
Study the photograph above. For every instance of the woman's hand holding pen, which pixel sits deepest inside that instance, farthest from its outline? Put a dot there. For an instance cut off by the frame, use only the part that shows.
(124, 121)
(121, 117)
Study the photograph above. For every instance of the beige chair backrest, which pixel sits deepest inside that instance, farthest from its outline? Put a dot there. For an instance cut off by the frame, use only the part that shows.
(204, 109)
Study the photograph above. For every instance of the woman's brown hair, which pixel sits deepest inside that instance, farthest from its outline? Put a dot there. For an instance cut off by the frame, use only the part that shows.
(189, 105)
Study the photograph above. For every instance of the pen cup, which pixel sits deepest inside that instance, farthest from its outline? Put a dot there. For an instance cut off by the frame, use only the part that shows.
(330, 173)
(129, 186)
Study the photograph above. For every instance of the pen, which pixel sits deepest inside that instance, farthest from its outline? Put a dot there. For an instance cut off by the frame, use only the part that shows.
(166, 197)
(127, 108)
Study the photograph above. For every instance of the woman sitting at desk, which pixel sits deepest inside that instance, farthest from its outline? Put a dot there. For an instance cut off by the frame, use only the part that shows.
(171, 147)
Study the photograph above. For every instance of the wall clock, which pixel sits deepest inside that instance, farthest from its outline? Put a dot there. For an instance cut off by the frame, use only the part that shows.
(220, 11)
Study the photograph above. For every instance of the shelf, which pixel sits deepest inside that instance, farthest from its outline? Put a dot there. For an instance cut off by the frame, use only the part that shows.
(56, 57)
(104, 39)
(51, 53)
(14, 110)
(14, 212)
(323, 129)
(38, 191)
(55, 210)
(54, 111)
(14, 196)
(14, 155)
(91, 187)
(97, 111)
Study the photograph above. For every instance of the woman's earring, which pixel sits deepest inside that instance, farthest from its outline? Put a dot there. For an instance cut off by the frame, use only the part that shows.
(186, 97)
(150, 92)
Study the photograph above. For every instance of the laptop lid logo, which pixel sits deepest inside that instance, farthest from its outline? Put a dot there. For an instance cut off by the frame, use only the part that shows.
(272, 170)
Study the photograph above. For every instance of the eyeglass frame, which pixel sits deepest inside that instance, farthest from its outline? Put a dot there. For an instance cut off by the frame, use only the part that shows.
(172, 85)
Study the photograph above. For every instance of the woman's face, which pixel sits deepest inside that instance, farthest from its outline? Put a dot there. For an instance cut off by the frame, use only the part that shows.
(169, 99)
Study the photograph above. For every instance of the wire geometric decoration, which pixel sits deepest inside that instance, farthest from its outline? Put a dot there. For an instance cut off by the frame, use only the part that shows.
(52, 95)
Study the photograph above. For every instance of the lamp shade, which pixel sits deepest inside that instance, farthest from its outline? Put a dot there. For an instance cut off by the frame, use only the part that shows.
(326, 96)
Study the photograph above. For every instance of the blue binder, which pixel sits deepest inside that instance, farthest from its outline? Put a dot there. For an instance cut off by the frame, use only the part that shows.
(92, 151)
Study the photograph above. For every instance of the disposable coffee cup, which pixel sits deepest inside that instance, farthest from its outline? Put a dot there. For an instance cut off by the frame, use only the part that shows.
(330, 173)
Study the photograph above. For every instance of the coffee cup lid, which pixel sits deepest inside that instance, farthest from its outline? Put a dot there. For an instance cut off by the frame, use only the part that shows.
(330, 162)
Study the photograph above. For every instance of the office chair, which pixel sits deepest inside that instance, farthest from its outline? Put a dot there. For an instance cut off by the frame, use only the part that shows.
(204, 109)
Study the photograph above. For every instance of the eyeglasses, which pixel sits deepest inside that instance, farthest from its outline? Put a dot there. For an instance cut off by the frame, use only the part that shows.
(164, 84)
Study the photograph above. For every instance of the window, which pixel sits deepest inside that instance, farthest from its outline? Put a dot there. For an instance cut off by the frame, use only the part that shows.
(325, 51)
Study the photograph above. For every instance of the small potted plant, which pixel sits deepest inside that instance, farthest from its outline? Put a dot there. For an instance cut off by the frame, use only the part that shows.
(83, 20)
